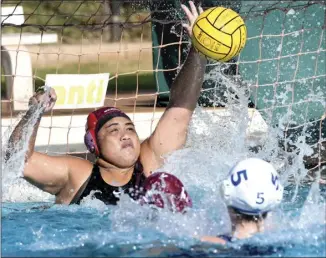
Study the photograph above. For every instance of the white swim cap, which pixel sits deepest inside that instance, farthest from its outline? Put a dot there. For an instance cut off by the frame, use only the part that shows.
(252, 187)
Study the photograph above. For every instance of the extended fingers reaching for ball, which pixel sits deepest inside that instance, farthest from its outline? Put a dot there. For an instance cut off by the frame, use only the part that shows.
(192, 15)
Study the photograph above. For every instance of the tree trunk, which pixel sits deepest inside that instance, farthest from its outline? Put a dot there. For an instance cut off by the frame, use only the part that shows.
(113, 30)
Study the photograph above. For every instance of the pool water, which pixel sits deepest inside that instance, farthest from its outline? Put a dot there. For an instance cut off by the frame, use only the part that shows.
(92, 229)
(33, 226)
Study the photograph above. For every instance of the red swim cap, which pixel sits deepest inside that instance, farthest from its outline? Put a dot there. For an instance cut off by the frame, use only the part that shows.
(165, 190)
(95, 121)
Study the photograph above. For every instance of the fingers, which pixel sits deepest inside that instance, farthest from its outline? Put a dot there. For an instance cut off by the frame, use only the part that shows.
(193, 9)
(200, 9)
(50, 106)
(53, 95)
(53, 99)
(44, 96)
(187, 12)
(188, 28)
(41, 89)
(191, 14)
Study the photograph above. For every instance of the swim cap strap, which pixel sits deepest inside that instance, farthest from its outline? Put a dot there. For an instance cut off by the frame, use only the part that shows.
(90, 136)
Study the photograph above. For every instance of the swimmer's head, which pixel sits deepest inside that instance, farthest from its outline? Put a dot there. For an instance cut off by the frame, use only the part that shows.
(252, 188)
(111, 135)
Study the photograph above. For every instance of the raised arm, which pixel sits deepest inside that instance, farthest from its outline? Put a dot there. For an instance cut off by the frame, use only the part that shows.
(41, 102)
(45, 172)
(171, 131)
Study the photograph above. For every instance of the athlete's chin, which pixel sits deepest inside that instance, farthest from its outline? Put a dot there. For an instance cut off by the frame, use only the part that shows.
(129, 158)
(129, 152)
(127, 163)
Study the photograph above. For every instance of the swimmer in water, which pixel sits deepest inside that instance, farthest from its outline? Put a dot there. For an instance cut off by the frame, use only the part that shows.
(251, 190)
(123, 164)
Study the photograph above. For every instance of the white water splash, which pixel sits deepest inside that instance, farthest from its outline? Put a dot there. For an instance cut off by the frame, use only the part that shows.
(216, 141)
(14, 188)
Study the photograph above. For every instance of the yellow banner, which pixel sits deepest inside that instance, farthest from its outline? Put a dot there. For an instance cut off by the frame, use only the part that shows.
(75, 91)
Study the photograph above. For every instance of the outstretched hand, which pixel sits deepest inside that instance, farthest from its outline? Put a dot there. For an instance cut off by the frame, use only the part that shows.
(192, 15)
(46, 98)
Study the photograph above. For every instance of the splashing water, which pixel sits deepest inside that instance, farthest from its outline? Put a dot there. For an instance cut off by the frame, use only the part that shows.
(216, 141)
(14, 187)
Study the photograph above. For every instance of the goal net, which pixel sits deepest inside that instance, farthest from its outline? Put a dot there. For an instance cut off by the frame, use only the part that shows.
(142, 46)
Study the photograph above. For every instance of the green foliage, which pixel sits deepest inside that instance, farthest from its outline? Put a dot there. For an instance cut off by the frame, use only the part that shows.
(77, 20)
(3, 87)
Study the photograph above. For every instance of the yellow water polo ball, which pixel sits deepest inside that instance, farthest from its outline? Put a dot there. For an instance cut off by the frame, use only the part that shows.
(219, 33)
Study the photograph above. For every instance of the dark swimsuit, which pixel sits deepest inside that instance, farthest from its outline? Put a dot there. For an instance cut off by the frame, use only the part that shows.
(107, 193)
(254, 250)
(227, 238)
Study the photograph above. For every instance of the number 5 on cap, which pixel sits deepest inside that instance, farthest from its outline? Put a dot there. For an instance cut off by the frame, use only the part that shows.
(260, 198)
(237, 181)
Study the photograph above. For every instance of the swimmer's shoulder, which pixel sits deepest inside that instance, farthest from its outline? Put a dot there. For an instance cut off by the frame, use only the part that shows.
(79, 171)
(79, 167)
(213, 239)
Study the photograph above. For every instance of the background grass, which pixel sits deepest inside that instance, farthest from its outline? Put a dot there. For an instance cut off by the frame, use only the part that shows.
(88, 15)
